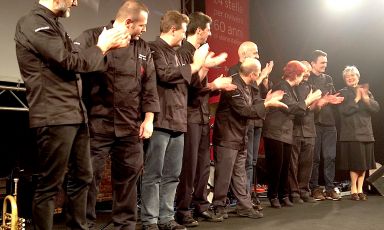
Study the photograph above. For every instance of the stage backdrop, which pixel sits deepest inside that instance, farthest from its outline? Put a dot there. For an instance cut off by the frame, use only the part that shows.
(230, 27)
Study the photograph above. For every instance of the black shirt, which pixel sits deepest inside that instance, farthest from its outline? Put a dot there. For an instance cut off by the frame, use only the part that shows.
(278, 124)
(234, 109)
(173, 75)
(325, 116)
(355, 122)
(198, 93)
(304, 125)
(48, 63)
(234, 71)
(118, 97)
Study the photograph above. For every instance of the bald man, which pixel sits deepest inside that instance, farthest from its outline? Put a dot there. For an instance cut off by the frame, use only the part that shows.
(234, 109)
(48, 65)
(249, 49)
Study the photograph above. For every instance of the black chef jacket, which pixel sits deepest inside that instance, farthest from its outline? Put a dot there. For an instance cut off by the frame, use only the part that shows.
(117, 97)
(174, 75)
(198, 93)
(48, 63)
(234, 109)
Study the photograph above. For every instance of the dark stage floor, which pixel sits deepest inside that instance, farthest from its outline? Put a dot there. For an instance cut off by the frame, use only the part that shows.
(332, 215)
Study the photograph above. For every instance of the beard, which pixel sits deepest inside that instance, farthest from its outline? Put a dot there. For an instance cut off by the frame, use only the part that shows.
(63, 11)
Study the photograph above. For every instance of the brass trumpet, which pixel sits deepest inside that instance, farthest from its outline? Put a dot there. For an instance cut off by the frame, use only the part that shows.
(11, 221)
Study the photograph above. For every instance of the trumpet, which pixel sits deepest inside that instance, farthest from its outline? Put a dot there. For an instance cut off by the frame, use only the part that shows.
(11, 221)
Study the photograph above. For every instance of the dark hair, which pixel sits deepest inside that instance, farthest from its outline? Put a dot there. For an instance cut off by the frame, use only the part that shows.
(197, 20)
(316, 54)
(292, 69)
(172, 18)
(131, 8)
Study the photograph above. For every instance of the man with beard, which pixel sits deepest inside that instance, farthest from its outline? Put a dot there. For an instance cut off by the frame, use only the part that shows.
(117, 99)
(48, 64)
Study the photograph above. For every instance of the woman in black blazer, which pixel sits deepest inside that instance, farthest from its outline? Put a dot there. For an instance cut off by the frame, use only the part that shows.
(277, 132)
(356, 135)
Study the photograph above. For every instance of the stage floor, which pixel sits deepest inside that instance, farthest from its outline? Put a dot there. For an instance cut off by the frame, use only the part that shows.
(333, 215)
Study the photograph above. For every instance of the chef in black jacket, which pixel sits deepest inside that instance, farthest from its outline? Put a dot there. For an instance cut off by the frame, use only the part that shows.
(278, 132)
(192, 188)
(229, 137)
(117, 100)
(304, 134)
(163, 158)
(356, 134)
(249, 49)
(48, 63)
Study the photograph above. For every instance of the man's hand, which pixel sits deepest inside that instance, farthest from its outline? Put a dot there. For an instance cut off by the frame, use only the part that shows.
(334, 99)
(146, 128)
(273, 99)
(312, 96)
(211, 61)
(223, 83)
(113, 38)
(266, 70)
(327, 99)
(199, 57)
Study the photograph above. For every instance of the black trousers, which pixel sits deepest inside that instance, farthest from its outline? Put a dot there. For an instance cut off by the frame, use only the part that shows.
(300, 168)
(277, 155)
(62, 149)
(194, 175)
(126, 165)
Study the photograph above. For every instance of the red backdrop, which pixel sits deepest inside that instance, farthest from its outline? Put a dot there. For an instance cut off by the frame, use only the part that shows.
(230, 27)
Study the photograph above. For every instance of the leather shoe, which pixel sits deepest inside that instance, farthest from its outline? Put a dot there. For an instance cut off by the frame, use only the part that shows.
(187, 221)
(275, 203)
(209, 215)
(286, 202)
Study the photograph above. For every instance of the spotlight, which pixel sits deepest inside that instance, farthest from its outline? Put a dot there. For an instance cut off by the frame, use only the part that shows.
(341, 5)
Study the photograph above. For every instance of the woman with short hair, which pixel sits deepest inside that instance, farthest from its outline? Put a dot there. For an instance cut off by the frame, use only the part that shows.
(356, 134)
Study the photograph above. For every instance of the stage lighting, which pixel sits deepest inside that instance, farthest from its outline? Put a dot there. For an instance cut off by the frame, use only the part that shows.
(341, 5)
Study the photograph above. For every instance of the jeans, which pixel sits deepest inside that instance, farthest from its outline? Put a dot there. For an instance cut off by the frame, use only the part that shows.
(325, 146)
(60, 148)
(126, 165)
(254, 134)
(162, 167)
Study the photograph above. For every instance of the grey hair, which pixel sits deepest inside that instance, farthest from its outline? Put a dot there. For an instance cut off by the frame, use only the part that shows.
(351, 69)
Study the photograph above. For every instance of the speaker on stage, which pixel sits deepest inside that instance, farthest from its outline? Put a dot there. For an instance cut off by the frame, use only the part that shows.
(376, 180)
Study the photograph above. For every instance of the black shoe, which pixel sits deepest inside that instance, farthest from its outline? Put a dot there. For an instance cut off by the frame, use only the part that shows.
(308, 199)
(286, 202)
(297, 200)
(209, 215)
(250, 213)
(275, 203)
(221, 212)
(171, 225)
(187, 221)
(150, 227)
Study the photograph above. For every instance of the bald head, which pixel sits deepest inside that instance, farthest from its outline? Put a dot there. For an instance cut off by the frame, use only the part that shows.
(130, 9)
(249, 66)
(248, 49)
